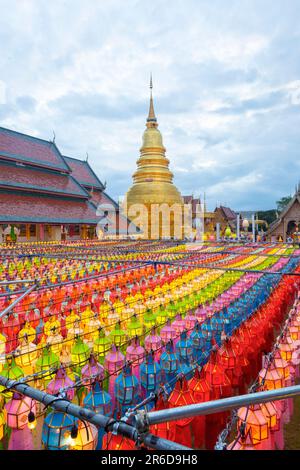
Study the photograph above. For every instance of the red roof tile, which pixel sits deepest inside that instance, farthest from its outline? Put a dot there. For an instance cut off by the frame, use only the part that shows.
(83, 173)
(39, 180)
(16, 207)
(24, 148)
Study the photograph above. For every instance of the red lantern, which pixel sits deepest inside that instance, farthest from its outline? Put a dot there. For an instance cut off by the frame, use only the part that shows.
(200, 389)
(116, 442)
(181, 430)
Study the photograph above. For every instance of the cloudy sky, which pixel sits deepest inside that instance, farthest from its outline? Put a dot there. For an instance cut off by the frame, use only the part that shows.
(226, 78)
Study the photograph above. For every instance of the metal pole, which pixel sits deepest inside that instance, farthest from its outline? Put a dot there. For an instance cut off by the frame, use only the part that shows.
(15, 302)
(218, 231)
(238, 227)
(85, 414)
(253, 227)
(216, 406)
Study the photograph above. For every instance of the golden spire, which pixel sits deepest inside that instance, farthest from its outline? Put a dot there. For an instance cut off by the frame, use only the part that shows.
(151, 116)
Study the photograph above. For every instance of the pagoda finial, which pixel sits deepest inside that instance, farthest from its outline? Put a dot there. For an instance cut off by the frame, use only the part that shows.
(151, 115)
(204, 202)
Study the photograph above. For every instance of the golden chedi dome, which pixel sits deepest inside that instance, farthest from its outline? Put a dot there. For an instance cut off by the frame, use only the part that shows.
(153, 202)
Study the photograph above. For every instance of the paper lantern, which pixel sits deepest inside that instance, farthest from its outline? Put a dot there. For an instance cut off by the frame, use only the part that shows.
(118, 336)
(167, 333)
(2, 350)
(87, 437)
(243, 443)
(184, 348)
(153, 342)
(134, 327)
(150, 373)
(2, 422)
(60, 381)
(117, 442)
(17, 410)
(149, 320)
(10, 371)
(48, 360)
(135, 354)
(169, 362)
(80, 353)
(162, 315)
(126, 388)
(101, 345)
(98, 400)
(92, 371)
(56, 431)
(26, 356)
(179, 326)
(181, 430)
(255, 422)
(271, 378)
(172, 309)
(200, 390)
(113, 363)
(190, 321)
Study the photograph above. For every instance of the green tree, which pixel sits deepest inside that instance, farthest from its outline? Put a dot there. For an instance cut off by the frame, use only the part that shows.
(283, 202)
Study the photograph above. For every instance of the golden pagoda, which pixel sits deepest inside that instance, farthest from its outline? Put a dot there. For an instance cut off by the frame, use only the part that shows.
(153, 203)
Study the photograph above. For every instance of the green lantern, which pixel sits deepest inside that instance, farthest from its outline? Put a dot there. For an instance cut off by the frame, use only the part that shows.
(118, 336)
(172, 309)
(46, 361)
(135, 327)
(162, 316)
(13, 372)
(149, 319)
(101, 346)
(80, 353)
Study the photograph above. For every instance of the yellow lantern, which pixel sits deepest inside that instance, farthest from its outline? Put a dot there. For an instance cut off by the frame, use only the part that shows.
(2, 422)
(87, 437)
(26, 356)
(2, 351)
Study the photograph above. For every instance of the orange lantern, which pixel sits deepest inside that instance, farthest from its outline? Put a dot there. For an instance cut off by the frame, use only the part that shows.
(255, 422)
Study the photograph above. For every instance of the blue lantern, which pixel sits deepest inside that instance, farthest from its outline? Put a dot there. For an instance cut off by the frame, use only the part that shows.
(187, 370)
(100, 402)
(150, 375)
(169, 362)
(184, 348)
(57, 429)
(126, 389)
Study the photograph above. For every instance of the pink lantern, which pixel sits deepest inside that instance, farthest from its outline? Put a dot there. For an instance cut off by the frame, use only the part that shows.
(190, 321)
(113, 363)
(17, 412)
(153, 342)
(60, 381)
(91, 371)
(136, 355)
(168, 333)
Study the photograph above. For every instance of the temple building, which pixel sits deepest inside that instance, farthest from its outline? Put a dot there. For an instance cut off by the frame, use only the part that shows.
(153, 202)
(287, 225)
(226, 217)
(47, 196)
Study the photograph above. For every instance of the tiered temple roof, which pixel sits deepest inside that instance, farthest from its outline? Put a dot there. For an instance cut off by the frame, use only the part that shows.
(40, 185)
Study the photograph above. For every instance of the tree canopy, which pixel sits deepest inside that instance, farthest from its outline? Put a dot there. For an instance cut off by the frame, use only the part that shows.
(283, 202)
